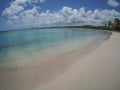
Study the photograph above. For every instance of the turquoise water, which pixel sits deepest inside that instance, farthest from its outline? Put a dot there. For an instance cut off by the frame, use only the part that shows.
(24, 46)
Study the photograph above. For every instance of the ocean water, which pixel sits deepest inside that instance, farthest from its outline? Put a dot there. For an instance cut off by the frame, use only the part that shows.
(25, 47)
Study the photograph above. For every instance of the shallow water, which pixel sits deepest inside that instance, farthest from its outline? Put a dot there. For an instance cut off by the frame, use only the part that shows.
(24, 47)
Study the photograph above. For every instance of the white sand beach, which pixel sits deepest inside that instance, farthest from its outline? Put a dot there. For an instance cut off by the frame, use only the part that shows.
(96, 68)
(99, 70)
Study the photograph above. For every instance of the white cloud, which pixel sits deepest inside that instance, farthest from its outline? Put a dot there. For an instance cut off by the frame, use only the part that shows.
(42, 1)
(65, 16)
(17, 2)
(113, 3)
(26, 1)
(13, 9)
(18, 5)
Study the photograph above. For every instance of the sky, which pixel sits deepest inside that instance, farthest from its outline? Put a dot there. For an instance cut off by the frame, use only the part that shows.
(18, 14)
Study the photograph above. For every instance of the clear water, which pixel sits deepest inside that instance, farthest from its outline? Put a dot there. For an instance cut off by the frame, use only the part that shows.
(21, 47)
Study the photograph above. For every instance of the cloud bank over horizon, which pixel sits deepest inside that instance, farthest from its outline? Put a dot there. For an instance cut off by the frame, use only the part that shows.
(18, 16)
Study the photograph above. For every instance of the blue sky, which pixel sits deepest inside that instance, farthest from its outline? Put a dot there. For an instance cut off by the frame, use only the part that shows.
(39, 13)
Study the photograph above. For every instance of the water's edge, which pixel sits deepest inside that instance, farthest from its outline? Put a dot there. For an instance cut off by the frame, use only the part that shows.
(84, 50)
(18, 60)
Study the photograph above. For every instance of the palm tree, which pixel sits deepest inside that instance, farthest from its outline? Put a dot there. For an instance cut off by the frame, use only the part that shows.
(116, 21)
(110, 25)
(116, 24)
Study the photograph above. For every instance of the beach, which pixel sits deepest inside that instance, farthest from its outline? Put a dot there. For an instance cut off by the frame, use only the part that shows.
(95, 67)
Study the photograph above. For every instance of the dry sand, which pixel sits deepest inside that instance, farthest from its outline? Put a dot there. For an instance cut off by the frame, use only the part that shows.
(96, 68)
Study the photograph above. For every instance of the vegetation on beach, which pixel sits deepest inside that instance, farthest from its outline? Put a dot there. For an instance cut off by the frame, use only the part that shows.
(113, 26)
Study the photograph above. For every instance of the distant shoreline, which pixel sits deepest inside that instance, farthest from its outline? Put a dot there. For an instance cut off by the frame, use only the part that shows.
(35, 28)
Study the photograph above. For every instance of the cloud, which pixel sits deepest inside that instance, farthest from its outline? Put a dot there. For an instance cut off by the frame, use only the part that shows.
(13, 9)
(21, 17)
(113, 3)
(19, 5)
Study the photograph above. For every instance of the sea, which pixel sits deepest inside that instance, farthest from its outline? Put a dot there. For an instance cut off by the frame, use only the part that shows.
(20, 48)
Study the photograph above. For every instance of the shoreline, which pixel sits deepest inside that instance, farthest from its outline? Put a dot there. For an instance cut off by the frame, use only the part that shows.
(45, 72)
(20, 60)
(99, 70)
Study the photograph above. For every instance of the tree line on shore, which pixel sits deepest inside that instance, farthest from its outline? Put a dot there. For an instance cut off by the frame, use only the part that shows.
(113, 26)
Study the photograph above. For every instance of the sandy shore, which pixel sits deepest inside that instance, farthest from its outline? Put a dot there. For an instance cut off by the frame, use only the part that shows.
(99, 70)
(96, 68)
